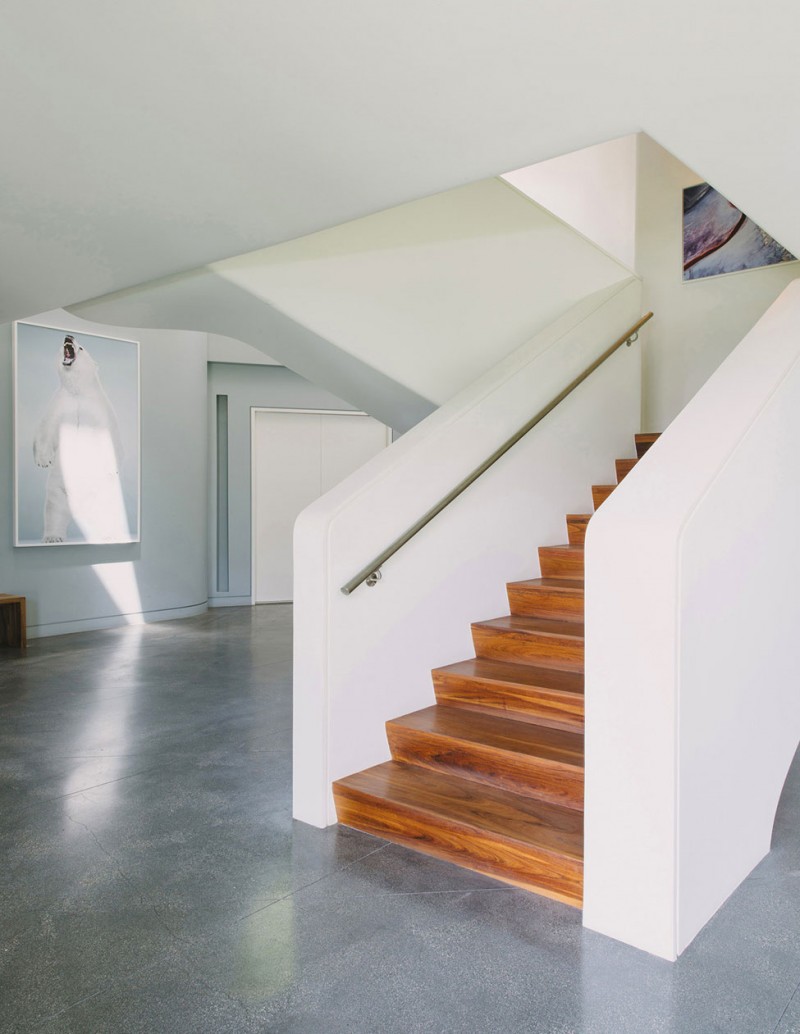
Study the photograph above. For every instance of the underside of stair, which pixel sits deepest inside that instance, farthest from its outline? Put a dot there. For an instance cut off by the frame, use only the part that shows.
(491, 777)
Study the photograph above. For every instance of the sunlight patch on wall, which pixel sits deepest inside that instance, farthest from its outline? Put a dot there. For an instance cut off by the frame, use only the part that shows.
(119, 581)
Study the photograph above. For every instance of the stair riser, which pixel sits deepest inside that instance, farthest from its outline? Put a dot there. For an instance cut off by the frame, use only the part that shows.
(560, 564)
(539, 778)
(576, 531)
(559, 711)
(600, 493)
(541, 872)
(645, 442)
(529, 648)
(624, 467)
(538, 601)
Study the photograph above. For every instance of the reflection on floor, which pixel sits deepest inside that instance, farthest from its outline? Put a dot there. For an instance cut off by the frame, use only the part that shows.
(152, 878)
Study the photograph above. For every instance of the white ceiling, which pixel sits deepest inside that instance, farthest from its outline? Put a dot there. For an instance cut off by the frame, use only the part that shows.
(151, 138)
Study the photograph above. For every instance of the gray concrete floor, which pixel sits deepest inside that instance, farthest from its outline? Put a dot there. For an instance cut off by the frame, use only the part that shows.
(152, 879)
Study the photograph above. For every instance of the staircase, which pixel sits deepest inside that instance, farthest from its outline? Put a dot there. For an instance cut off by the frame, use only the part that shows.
(491, 777)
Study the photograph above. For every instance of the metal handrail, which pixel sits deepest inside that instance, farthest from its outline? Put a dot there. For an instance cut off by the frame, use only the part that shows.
(372, 574)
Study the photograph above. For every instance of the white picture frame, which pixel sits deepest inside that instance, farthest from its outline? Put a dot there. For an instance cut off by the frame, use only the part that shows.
(77, 437)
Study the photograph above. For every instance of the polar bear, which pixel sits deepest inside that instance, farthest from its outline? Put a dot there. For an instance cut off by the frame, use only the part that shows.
(78, 442)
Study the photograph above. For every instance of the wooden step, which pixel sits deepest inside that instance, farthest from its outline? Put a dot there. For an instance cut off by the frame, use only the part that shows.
(521, 691)
(528, 843)
(644, 441)
(576, 527)
(547, 598)
(541, 641)
(624, 467)
(600, 493)
(561, 561)
(524, 758)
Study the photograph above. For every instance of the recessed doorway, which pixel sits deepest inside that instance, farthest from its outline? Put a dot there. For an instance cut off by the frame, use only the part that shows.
(298, 455)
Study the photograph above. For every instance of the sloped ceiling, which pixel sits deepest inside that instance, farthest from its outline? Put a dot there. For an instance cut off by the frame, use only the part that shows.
(426, 296)
(147, 139)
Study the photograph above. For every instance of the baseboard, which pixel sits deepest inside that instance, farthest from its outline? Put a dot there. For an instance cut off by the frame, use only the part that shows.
(114, 621)
(229, 601)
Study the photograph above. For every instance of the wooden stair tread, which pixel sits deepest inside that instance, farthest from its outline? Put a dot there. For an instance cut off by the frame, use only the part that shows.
(452, 800)
(547, 642)
(520, 676)
(561, 561)
(499, 734)
(521, 624)
(491, 777)
(551, 696)
(548, 597)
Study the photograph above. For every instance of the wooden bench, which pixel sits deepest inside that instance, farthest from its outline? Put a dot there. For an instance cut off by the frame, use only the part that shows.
(13, 630)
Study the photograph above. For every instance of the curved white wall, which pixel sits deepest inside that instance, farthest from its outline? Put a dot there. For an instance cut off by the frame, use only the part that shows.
(72, 588)
(692, 652)
(364, 658)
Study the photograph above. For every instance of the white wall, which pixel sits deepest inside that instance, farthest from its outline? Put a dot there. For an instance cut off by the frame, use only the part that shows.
(245, 387)
(593, 189)
(627, 196)
(699, 322)
(692, 653)
(223, 349)
(71, 588)
(364, 658)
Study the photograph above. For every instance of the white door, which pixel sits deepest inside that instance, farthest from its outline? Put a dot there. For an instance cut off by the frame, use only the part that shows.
(297, 457)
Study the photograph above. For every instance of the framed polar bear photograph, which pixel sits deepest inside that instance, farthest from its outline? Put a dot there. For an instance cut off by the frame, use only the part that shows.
(76, 437)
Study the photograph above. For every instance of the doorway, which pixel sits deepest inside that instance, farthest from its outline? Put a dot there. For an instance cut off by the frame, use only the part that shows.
(297, 456)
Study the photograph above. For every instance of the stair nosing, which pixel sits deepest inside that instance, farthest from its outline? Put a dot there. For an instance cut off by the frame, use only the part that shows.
(558, 634)
(572, 586)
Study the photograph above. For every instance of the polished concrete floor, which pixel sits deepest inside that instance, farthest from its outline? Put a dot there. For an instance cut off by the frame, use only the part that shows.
(152, 879)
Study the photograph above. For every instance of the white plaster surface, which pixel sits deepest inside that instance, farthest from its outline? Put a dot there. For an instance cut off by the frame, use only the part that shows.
(692, 715)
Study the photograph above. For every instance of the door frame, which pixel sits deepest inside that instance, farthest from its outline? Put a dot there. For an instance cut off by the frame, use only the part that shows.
(254, 411)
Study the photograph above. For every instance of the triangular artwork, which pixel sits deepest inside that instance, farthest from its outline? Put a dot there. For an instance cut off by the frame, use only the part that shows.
(719, 238)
